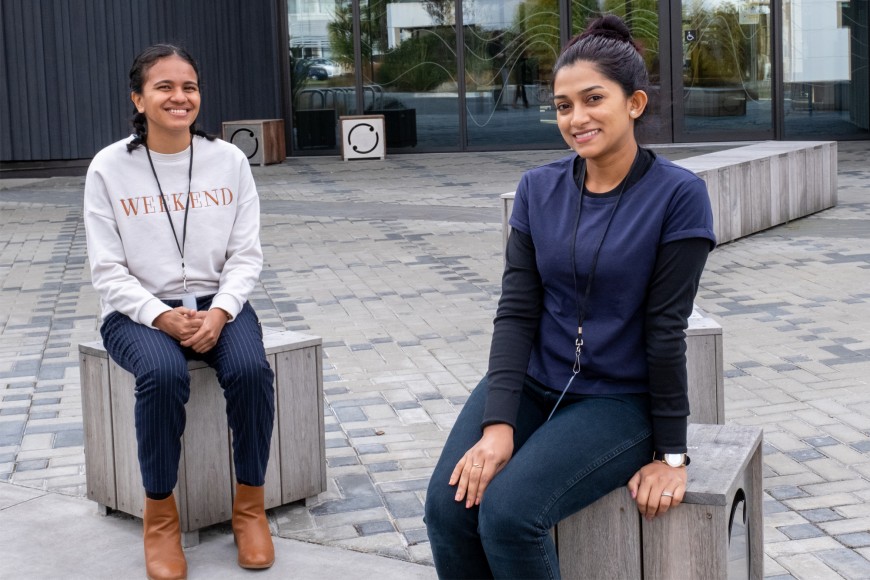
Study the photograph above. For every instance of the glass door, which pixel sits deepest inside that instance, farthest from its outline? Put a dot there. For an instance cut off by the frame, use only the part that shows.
(642, 18)
(409, 72)
(725, 85)
(510, 49)
(321, 71)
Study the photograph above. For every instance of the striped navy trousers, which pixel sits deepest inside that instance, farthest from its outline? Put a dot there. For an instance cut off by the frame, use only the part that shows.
(159, 364)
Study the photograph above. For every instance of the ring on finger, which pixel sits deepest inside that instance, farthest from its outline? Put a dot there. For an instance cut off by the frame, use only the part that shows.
(667, 494)
(477, 465)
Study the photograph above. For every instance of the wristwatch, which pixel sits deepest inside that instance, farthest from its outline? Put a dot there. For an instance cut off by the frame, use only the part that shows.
(672, 459)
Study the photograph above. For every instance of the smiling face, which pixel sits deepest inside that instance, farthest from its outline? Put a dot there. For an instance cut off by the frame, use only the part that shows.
(170, 101)
(594, 115)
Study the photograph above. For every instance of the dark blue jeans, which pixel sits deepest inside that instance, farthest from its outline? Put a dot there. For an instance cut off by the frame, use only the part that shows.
(591, 446)
(159, 364)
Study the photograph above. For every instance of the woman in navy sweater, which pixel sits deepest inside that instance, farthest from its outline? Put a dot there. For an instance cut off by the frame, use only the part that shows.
(586, 389)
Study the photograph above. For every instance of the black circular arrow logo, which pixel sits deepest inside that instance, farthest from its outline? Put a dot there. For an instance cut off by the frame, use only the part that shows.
(371, 129)
(246, 142)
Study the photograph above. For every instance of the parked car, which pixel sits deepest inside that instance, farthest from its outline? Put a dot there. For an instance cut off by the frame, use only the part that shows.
(332, 68)
(318, 72)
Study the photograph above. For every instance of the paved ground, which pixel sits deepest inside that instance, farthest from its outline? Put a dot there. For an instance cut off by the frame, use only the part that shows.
(396, 264)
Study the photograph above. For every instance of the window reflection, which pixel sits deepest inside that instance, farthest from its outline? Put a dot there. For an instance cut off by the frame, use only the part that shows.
(510, 49)
(321, 79)
(825, 69)
(727, 68)
(642, 18)
(409, 71)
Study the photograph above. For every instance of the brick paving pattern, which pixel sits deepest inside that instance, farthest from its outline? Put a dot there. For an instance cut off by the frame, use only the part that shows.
(396, 264)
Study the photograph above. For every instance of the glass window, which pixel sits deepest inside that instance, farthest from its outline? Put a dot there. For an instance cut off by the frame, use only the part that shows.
(510, 49)
(409, 71)
(825, 69)
(642, 18)
(321, 70)
(726, 70)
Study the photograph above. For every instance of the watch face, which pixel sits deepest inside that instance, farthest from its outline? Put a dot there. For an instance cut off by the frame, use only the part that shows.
(674, 459)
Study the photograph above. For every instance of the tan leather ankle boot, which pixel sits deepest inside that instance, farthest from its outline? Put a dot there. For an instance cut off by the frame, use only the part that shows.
(251, 528)
(164, 558)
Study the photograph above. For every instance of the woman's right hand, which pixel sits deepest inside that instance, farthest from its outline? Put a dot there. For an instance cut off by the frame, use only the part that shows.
(180, 323)
(482, 463)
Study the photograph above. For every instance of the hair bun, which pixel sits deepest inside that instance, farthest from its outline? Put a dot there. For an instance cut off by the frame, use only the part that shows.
(609, 26)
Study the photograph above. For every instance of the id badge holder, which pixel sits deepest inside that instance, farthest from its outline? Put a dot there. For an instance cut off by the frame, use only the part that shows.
(189, 301)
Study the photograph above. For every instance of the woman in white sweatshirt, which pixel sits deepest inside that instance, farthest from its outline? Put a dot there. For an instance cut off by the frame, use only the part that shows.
(173, 219)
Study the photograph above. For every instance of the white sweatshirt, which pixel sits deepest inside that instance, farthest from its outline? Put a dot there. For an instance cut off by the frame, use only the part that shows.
(134, 258)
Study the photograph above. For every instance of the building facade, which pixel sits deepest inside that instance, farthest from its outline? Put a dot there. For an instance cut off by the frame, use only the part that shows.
(448, 75)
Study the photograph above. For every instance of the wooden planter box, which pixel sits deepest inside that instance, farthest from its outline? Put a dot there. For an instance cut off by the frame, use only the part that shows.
(261, 140)
(206, 480)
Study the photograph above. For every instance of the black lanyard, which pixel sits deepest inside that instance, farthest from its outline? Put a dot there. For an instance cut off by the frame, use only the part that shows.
(581, 306)
(166, 208)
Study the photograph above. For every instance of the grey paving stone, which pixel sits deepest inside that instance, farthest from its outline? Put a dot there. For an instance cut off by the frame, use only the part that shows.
(371, 448)
(429, 396)
(404, 504)
(372, 528)
(349, 414)
(350, 504)
(342, 461)
(822, 441)
(846, 562)
(31, 465)
(36, 415)
(862, 446)
(856, 540)
(16, 398)
(73, 425)
(773, 507)
(804, 455)
(336, 443)
(786, 492)
(383, 466)
(69, 438)
(366, 432)
(801, 531)
(40, 402)
(418, 536)
(358, 402)
(820, 515)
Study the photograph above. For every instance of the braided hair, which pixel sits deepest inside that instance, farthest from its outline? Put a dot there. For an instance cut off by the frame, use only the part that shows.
(142, 63)
(608, 45)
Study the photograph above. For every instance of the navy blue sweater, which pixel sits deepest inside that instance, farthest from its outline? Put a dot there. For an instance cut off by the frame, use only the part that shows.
(646, 279)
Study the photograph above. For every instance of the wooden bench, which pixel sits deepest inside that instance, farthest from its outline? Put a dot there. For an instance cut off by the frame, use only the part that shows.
(758, 186)
(206, 482)
(705, 538)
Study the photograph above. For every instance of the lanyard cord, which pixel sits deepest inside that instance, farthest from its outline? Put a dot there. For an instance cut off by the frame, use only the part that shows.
(581, 309)
(180, 245)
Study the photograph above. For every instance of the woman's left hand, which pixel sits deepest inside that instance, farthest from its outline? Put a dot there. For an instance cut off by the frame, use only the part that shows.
(213, 322)
(657, 487)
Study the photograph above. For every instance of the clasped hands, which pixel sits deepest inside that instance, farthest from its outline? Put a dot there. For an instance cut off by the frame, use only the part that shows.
(196, 329)
(656, 487)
